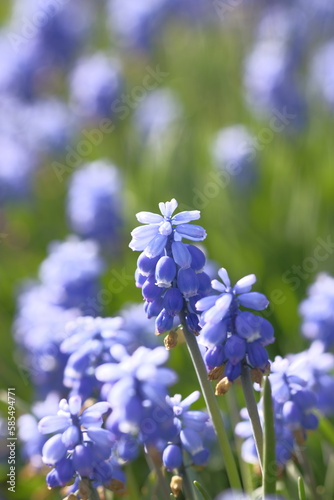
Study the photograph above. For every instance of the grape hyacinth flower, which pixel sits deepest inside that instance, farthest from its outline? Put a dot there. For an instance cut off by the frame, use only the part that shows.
(71, 272)
(39, 329)
(31, 440)
(191, 427)
(17, 167)
(94, 203)
(169, 271)
(136, 388)
(58, 36)
(234, 153)
(95, 83)
(284, 447)
(290, 389)
(234, 337)
(317, 311)
(136, 24)
(87, 343)
(316, 367)
(271, 87)
(79, 447)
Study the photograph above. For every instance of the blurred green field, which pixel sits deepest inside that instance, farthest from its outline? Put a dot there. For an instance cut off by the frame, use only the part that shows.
(277, 226)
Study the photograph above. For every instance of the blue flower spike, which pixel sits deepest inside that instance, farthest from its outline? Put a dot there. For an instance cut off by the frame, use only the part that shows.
(170, 272)
(234, 336)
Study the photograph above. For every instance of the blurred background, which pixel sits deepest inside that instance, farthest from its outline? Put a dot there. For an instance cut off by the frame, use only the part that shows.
(107, 108)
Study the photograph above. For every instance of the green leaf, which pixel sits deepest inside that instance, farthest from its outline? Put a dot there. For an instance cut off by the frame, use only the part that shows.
(202, 491)
(269, 455)
(301, 489)
(326, 429)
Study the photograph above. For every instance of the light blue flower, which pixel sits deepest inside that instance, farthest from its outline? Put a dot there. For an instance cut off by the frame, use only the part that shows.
(153, 237)
(241, 335)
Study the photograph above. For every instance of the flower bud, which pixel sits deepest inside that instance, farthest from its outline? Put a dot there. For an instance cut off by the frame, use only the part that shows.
(223, 387)
(176, 485)
(172, 457)
(173, 301)
(165, 272)
(197, 258)
(163, 322)
(187, 282)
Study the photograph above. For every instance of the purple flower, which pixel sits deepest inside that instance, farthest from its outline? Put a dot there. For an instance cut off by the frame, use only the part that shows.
(80, 446)
(242, 334)
(158, 229)
(170, 272)
(192, 427)
(95, 203)
(71, 272)
(315, 366)
(95, 84)
(317, 311)
(233, 152)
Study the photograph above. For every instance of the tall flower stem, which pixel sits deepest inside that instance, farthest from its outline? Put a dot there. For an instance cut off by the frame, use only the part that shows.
(248, 390)
(245, 468)
(212, 406)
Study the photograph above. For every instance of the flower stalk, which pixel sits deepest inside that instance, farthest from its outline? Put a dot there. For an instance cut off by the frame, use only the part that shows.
(248, 391)
(212, 406)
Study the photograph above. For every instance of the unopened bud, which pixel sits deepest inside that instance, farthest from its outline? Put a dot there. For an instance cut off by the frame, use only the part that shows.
(223, 386)
(170, 340)
(85, 490)
(257, 375)
(299, 436)
(115, 485)
(176, 485)
(216, 372)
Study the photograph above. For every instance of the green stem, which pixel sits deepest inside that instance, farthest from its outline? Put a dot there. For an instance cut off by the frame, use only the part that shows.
(269, 446)
(189, 491)
(248, 390)
(245, 468)
(212, 406)
(301, 489)
(306, 466)
(162, 483)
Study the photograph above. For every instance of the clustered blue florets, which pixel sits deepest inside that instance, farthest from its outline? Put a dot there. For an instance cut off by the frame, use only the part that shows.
(293, 403)
(234, 336)
(170, 272)
(191, 433)
(80, 447)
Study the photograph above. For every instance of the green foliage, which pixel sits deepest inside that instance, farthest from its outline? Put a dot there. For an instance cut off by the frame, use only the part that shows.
(273, 228)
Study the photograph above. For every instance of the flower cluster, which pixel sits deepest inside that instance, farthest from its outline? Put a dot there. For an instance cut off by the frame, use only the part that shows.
(317, 311)
(234, 154)
(136, 388)
(80, 447)
(293, 404)
(94, 203)
(170, 272)
(271, 68)
(88, 341)
(95, 84)
(234, 336)
(71, 272)
(68, 281)
(191, 426)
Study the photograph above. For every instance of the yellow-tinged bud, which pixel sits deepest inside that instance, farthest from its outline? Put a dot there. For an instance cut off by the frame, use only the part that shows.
(216, 372)
(223, 386)
(170, 340)
(115, 485)
(176, 485)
